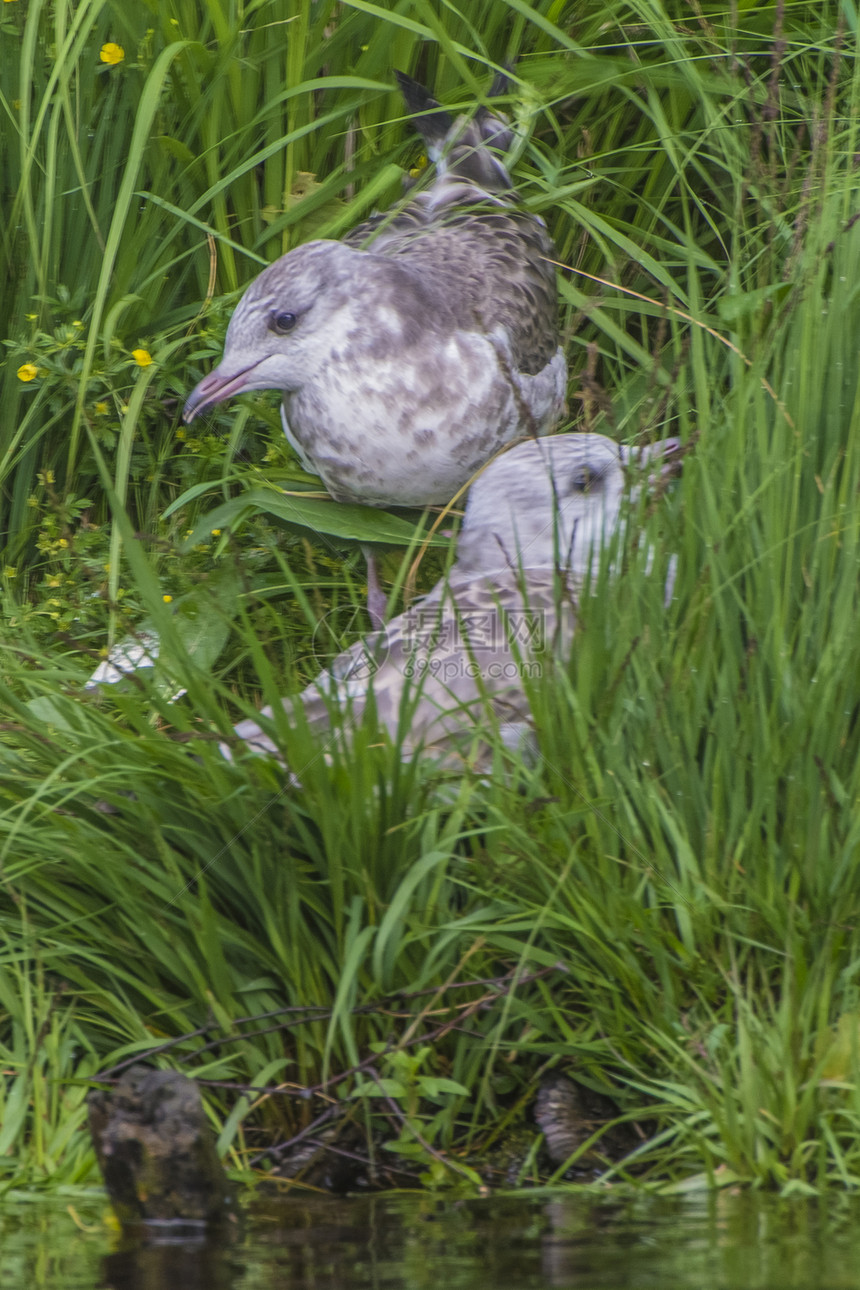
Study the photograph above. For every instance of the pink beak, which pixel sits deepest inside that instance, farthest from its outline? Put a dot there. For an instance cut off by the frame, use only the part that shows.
(215, 388)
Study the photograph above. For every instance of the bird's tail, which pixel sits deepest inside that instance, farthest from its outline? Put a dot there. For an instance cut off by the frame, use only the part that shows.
(467, 149)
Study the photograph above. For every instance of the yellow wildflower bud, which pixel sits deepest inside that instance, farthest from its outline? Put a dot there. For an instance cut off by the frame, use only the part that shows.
(167, 599)
(28, 372)
(215, 532)
(142, 357)
(111, 53)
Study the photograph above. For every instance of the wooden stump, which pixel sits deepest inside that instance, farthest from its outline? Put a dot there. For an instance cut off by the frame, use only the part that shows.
(156, 1149)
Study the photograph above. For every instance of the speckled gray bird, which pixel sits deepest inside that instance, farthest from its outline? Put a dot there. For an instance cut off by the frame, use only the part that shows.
(415, 348)
(536, 522)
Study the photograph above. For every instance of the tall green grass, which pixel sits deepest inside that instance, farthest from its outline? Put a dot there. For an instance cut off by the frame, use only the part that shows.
(667, 902)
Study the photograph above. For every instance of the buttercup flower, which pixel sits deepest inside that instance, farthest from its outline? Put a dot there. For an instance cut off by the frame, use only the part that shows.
(167, 599)
(142, 357)
(112, 53)
(28, 372)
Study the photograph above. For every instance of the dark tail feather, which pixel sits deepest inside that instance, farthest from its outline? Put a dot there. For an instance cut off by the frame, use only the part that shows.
(432, 122)
(466, 151)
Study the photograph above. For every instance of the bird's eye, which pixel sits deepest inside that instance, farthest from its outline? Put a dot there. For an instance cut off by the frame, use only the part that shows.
(282, 323)
(582, 480)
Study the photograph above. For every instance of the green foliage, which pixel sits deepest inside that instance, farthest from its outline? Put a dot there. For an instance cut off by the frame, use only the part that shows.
(665, 906)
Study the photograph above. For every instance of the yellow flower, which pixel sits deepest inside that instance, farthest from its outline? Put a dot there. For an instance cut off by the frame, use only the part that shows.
(28, 372)
(100, 409)
(167, 599)
(142, 357)
(111, 53)
(215, 532)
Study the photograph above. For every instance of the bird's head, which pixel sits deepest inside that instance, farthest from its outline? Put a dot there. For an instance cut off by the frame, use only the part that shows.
(551, 503)
(281, 329)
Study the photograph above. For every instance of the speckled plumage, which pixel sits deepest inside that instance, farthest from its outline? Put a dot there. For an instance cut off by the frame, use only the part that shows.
(421, 343)
(536, 522)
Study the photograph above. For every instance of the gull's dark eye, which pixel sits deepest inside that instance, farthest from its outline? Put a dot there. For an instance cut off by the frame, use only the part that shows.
(282, 323)
(582, 479)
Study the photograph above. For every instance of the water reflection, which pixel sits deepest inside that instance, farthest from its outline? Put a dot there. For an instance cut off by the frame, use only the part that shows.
(721, 1241)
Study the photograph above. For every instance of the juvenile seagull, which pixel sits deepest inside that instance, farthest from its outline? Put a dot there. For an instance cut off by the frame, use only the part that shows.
(536, 521)
(418, 346)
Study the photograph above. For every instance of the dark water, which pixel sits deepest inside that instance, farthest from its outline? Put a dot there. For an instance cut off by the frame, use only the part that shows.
(567, 1242)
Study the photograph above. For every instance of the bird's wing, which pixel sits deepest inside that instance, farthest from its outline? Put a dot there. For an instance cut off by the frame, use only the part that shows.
(495, 265)
(440, 673)
(490, 262)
